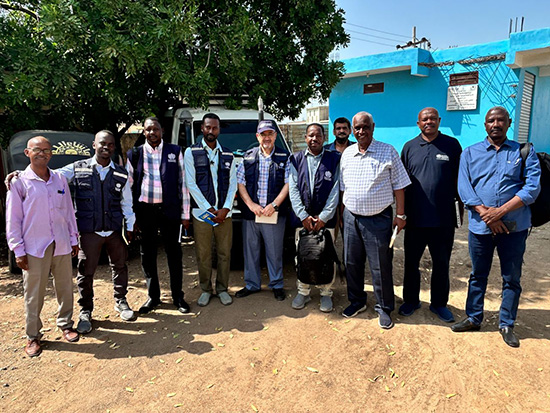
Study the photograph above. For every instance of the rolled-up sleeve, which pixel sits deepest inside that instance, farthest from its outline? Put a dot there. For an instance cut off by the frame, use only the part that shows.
(531, 189)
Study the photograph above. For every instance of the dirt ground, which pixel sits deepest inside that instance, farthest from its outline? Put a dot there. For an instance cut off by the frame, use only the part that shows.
(261, 355)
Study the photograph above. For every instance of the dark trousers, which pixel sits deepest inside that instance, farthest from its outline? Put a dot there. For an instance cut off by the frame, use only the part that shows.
(510, 248)
(150, 220)
(88, 257)
(440, 244)
(368, 237)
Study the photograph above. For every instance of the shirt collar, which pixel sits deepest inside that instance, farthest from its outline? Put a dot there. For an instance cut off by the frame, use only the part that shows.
(371, 148)
(488, 145)
(150, 149)
(308, 153)
(94, 162)
(207, 148)
(424, 141)
(266, 156)
(30, 174)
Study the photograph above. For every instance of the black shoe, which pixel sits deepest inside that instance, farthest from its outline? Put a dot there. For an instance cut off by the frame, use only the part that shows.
(279, 294)
(465, 325)
(245, 292)
(149, 305)
(509, 336)
(182, 306)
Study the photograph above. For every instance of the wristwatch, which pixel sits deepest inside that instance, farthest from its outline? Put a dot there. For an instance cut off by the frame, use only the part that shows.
(275, 206)
(403, 217)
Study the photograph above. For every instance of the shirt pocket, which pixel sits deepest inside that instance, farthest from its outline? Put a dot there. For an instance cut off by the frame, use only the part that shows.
(512, 169)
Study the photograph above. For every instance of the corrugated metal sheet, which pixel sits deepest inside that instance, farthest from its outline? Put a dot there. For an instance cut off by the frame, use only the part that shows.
(526, 104)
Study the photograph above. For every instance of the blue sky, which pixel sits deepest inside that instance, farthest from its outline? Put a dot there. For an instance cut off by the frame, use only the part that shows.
(444, 23)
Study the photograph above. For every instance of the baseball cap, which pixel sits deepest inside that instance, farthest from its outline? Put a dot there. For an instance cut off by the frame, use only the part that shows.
(266, 125)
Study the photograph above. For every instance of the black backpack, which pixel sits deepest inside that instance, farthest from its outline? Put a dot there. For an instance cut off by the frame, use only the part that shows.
(540, 209)
(316, 256)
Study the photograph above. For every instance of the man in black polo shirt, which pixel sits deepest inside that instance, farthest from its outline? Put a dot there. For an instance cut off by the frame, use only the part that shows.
(432, 160)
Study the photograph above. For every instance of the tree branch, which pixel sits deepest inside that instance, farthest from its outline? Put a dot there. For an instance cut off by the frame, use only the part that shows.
(7, 6)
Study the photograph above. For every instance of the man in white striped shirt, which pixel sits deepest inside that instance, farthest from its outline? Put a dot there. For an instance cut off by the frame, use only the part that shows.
(371, 175)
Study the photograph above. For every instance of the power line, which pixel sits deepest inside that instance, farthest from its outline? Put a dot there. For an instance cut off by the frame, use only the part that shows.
(370, 41)
(375, 30)
(372, 35)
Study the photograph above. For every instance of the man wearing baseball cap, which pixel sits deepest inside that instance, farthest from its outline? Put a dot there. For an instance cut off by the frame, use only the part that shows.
(263, 188)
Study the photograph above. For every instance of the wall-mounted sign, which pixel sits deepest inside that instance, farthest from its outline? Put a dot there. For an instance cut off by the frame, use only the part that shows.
(463, 97)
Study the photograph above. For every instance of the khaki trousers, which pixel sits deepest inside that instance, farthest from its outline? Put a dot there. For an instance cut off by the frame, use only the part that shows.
(204, 235)
(34, 287)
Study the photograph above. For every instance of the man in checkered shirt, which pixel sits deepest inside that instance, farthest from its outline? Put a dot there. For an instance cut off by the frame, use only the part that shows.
(371, 176)
(263, 188)
(161, 201)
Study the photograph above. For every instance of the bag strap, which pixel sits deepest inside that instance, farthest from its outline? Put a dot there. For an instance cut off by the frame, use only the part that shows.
(524, 149)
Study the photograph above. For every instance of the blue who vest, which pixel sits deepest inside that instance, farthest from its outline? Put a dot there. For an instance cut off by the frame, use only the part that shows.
(170, 177)
(323, 184)
(98, 202)
(203, 176)
(276, 179)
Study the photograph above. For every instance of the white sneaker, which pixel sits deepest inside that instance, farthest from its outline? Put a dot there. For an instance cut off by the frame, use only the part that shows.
(126, 313)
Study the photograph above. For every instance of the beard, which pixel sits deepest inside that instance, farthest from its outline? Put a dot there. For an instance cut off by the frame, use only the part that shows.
(209, 137)
(341, 140)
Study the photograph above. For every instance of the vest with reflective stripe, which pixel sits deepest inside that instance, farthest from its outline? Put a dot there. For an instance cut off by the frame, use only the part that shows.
(276, 179)
(203, 175)
(98, 202)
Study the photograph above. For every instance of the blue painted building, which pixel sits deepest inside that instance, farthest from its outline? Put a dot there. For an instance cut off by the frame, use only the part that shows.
(394, 87)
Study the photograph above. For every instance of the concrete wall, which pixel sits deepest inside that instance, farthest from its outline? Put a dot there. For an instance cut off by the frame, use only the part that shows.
(540, 115)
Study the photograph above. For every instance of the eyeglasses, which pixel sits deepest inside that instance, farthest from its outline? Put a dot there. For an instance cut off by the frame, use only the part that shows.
(38, 150)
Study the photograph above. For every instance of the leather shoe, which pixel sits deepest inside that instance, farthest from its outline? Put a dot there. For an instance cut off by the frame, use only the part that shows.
(245, 292)
(465, 325)
(182, 306)
(149, 305)
(33, 348)
(509, 336)
(279, 294)
(70, 335)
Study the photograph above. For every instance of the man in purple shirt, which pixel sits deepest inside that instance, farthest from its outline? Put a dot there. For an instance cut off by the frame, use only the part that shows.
(41, 231)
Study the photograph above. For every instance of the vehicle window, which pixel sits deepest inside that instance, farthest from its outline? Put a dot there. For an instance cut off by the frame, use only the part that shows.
(238, 135)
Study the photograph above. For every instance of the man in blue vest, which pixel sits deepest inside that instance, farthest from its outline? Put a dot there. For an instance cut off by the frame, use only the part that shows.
(102, 198)
(263, 188)
(212, 182)
(161, 202)
(313, 187)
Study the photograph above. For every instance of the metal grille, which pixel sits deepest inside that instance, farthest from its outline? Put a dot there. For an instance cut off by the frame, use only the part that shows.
(526, 104)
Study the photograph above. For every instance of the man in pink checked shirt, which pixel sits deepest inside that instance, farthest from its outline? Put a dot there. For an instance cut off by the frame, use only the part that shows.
(161, 202)
(41, 231)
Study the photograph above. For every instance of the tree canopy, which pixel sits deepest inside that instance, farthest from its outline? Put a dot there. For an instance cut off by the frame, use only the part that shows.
(94, 64)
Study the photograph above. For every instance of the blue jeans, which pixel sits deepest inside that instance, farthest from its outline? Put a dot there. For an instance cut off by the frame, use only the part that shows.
(510, 249)
(273, 236)
(368, 237)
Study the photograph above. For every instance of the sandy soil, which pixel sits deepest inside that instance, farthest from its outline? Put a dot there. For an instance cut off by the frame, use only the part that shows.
(261, 355)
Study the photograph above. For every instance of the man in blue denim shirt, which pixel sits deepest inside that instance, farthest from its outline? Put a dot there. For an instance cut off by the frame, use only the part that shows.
(497, 190)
